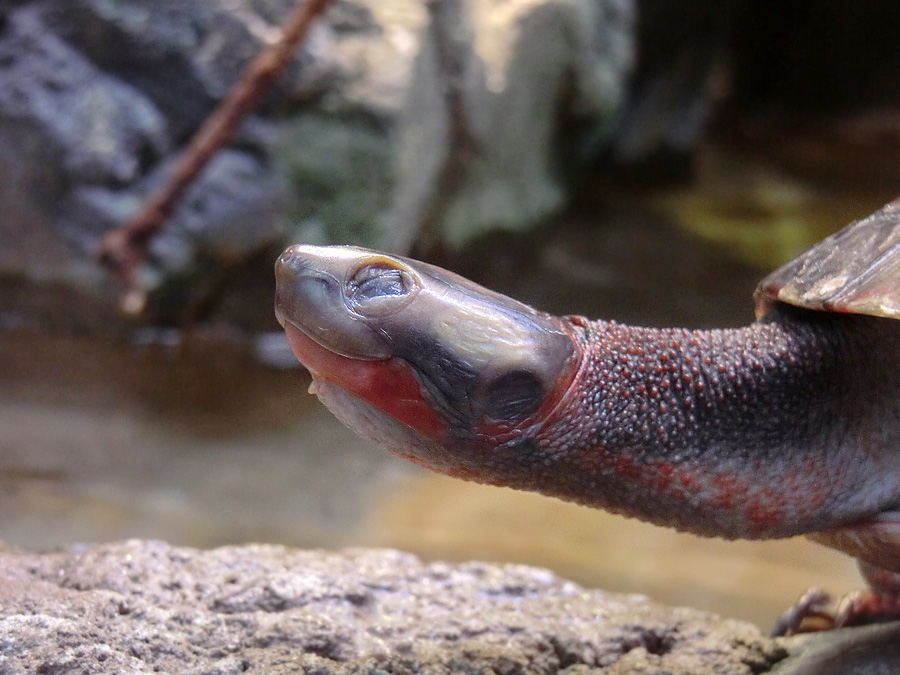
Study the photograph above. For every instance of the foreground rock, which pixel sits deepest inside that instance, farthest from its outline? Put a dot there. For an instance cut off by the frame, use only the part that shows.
(143, 606)
(150, 607)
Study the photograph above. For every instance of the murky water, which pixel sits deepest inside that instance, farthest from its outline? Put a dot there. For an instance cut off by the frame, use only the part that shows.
(199, 445)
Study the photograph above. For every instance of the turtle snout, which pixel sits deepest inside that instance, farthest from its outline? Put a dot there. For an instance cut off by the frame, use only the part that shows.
(305, 295)
(309, 295)
(290, 268)
(295, 262)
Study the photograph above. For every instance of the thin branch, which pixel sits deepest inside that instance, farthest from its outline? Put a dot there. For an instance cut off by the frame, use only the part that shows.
(124, 249)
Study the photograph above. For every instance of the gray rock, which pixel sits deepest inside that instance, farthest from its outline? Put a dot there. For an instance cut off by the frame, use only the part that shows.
(62, 123)
(870, 650)
(82, 150)
(150, 607)
(235, 207)
(104, 125)
(185, 56)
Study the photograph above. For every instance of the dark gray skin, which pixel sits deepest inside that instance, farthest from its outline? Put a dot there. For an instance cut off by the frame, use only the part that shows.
(788, 426)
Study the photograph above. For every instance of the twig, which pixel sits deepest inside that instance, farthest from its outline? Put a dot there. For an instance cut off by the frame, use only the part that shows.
(124, 249)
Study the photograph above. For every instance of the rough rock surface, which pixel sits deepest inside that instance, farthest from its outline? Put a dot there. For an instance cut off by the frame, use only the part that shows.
(149, 607)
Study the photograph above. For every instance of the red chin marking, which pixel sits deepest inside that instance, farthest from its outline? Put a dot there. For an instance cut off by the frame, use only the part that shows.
(386, 384)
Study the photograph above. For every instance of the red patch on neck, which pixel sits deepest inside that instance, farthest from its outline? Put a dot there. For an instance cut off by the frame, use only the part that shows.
(386, 384)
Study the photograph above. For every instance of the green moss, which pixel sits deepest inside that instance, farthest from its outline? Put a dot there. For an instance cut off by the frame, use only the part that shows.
(341, 174)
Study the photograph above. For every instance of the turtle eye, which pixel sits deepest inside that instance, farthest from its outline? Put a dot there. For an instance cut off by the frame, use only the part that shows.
(378, 288)
(372, 282)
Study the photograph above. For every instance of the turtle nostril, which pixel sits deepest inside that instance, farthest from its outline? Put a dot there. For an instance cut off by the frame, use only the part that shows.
(294, 262)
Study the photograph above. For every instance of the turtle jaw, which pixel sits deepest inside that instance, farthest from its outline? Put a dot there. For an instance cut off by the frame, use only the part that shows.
(336, 344)
(383, 402)
(387, 385)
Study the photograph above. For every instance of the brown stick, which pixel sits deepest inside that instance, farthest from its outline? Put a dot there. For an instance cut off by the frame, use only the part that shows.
(124, 249)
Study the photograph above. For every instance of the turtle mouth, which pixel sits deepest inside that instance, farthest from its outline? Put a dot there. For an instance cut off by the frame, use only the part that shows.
(389, 385)
(317, 358)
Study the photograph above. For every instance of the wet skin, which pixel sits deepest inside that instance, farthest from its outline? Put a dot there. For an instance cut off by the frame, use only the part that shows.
(787, 426)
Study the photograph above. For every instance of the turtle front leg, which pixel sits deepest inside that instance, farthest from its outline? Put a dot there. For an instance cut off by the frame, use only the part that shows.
(876, 604)
(814, 611)
(876, 544)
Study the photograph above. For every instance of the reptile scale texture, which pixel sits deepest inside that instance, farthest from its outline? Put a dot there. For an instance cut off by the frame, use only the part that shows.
(788, 426)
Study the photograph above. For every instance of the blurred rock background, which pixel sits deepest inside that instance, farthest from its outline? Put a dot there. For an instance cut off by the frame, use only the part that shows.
(397, 122)
(400, 125)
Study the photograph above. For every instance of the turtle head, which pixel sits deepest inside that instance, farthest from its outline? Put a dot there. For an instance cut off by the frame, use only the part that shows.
(423, 362)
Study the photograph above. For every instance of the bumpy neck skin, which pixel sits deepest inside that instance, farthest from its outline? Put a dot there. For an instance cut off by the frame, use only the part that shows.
(787, 426)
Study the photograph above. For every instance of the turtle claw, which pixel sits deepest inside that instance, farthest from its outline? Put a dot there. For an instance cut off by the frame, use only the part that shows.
(811, 613)
(865, 607)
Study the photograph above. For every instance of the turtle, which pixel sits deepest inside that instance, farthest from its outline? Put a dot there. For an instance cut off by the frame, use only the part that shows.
(787, 426)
